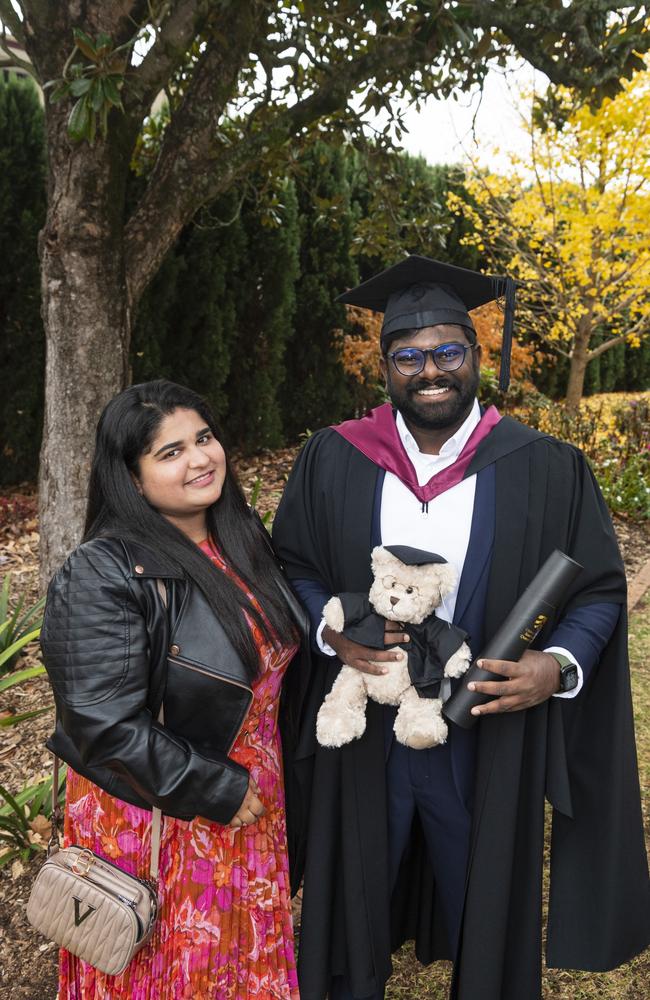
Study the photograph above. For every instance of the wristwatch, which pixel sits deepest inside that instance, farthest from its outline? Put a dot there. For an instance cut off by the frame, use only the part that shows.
(568, 672)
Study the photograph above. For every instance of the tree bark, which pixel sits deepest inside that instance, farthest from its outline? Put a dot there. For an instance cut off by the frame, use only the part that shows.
(580, 358)
(87, 328)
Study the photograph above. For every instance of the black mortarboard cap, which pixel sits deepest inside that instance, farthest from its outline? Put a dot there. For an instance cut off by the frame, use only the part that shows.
(413, 557)
(420, 292)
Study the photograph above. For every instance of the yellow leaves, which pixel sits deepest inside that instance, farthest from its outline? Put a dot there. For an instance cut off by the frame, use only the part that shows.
(572, 218)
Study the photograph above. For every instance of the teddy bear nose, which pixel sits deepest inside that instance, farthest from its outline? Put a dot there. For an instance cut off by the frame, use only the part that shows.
(394, 601)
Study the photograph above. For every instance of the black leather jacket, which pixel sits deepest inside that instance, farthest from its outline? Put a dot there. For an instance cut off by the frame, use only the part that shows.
(113, 652)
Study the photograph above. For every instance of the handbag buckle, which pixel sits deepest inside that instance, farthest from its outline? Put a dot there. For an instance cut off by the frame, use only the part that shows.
(83, 862)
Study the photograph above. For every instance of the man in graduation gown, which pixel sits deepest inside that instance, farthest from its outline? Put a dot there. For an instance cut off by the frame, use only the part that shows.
(445, 845)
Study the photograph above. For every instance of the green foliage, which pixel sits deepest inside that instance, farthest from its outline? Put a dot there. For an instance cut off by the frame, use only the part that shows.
(620, 458)
(22, 343)
(622, 368)
(625, 485)
(266, 295)
(315, 390)
(623, 468)
(95, 83)
(13, 680)
(401, 206)
(187, 321)
(17, 627)
(256, 491)
(218, 314)
(19, 818)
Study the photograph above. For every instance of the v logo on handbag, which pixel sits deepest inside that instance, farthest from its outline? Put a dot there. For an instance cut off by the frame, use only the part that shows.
(78, 917)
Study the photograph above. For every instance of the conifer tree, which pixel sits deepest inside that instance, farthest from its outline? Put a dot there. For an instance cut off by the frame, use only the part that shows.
(265, 277)
(22, 343)
(315, 388)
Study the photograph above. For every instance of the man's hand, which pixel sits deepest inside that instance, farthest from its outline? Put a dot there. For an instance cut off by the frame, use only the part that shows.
(251, 808)
(534, 679)
(364, 658)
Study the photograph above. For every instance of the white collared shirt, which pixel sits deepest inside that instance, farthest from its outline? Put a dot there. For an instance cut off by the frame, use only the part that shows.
(443, 525)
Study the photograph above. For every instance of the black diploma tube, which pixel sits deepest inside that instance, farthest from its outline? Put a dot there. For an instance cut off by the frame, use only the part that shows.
(529, 615)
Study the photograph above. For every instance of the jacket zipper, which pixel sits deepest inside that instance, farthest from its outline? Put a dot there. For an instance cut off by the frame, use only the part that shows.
(225, 680)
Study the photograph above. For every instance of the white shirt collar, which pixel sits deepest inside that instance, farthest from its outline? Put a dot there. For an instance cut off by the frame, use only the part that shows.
(452, 446)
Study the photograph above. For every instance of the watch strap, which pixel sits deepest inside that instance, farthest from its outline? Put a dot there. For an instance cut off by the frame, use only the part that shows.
(564, 661)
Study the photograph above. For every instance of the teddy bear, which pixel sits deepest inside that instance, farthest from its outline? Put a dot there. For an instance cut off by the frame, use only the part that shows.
(408, 585)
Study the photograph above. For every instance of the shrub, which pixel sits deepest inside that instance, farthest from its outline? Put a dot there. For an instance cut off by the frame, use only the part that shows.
(625, 485)
(23, 818)
(615, 439)
(16, 630)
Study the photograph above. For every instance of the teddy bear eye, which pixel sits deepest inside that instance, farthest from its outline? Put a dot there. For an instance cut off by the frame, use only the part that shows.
(409, 590)
(388, 582)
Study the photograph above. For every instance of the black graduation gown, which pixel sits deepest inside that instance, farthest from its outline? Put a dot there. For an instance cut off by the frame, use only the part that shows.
(579, 753)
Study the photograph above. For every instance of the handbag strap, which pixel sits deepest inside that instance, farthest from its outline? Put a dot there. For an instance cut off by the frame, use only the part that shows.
(156, 815)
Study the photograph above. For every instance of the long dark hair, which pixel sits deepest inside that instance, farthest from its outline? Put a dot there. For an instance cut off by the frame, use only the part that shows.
(126, 430)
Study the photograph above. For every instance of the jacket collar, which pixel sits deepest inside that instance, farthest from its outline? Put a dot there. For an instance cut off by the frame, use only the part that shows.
(145, 563)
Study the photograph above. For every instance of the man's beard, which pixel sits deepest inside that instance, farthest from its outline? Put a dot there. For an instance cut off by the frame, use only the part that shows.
(441, 413)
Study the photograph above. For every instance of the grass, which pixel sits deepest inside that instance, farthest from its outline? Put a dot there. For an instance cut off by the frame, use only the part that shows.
(631, 981)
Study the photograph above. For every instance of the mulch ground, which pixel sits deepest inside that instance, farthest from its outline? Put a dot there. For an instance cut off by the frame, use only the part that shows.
(27, 964)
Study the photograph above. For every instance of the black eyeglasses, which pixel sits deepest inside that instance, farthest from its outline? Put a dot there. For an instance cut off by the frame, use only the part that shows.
(446, 357)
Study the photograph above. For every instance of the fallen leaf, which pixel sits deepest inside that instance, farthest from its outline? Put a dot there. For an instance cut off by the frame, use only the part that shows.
(41, 825)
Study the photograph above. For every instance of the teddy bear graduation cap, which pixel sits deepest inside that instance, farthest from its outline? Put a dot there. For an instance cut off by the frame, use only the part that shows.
(421, 292)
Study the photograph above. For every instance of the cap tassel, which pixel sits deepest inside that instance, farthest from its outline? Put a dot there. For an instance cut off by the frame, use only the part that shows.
(508, 325)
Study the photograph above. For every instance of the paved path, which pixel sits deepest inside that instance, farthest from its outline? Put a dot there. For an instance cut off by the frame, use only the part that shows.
(638, 586)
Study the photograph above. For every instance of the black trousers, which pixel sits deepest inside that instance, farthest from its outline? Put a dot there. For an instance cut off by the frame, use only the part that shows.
(423, 781)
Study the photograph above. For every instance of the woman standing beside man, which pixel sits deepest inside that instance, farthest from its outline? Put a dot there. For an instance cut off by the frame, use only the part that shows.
(212, 649)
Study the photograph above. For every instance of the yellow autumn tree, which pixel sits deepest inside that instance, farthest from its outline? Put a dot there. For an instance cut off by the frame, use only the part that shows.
(572, 221)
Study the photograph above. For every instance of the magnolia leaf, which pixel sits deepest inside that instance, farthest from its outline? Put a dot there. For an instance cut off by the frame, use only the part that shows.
(78, 120)
(483, 46)
(61, 90)
(85, 44)
(96, 95)
(80, 87)
(117, 65)
(104, 43)
(111, 92)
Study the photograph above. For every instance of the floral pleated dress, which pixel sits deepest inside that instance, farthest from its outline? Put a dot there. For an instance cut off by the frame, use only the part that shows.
(224, 930)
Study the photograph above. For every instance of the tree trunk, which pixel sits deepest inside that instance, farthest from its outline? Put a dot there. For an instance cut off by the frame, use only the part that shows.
(86, 320)
(580, 358)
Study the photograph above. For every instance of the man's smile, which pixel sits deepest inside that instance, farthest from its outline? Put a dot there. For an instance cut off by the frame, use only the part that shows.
(433, 391)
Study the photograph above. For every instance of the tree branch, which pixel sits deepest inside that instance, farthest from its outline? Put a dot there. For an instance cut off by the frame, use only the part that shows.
(606, 345)
(197, 163)
(9, 17)
(182, 178)
(579, 63)
(14, 60)
(185, 19)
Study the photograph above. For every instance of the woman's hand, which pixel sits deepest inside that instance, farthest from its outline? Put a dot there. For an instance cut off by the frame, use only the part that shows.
(251, 808)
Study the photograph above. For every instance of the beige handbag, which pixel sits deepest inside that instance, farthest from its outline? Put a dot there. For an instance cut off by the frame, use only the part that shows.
(88, 905)
(91, 907)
